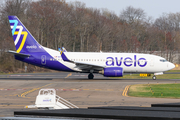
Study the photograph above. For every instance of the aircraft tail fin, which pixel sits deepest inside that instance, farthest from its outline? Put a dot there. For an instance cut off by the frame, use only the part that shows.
(23, 40)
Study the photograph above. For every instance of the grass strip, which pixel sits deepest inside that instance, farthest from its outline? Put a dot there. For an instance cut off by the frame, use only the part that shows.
(164, 76)
(155, 90)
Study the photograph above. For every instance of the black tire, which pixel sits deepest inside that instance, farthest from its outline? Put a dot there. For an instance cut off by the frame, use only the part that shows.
(154, 77)
(90, 76)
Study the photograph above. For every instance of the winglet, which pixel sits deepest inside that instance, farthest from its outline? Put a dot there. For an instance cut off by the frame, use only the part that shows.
(59, 49)
(64, 57)
(64, 50)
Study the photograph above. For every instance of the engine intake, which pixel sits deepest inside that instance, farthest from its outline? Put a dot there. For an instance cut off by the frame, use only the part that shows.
(112, 72)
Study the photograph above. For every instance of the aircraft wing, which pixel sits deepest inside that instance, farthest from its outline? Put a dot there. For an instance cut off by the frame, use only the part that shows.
(83, 65)
(18, 54)
(87, 66)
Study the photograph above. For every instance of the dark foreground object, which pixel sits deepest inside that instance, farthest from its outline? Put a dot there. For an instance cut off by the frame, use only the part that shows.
(166, 105)
(114, 112)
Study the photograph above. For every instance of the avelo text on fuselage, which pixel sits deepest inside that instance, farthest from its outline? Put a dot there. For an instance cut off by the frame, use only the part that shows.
(127, 61)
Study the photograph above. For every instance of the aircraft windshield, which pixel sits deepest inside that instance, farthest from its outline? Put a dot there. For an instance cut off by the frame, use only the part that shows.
(163, 60)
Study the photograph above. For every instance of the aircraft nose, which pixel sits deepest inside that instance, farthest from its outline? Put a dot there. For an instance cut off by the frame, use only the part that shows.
(171, 65)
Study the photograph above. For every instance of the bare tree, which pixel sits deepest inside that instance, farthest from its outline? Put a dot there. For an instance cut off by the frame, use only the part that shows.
(132, 15)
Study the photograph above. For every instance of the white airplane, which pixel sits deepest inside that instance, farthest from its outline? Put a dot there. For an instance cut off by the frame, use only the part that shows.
(109, 64)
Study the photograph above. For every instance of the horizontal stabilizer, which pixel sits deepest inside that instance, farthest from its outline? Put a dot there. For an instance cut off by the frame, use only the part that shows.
(18, 54)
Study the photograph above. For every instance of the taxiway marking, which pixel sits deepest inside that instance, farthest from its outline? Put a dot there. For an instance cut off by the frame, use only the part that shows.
(68, 75)
(11, 105)
(60, 89)
(30, 91)
(73, 89)
(125, 91)
(10, 89)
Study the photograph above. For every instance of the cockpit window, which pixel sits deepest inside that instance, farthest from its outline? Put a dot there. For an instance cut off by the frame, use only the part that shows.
(163, 60)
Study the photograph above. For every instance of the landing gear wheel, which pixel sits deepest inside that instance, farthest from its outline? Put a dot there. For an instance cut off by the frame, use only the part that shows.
(90, 76)
(154, 77)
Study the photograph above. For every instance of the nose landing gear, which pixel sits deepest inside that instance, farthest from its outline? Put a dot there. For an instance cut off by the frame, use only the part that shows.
(154, 77)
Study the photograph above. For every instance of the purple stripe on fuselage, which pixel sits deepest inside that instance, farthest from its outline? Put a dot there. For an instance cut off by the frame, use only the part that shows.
(36, 59)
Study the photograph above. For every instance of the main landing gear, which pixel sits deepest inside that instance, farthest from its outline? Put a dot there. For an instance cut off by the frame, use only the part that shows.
(154, 77)
(90, 76)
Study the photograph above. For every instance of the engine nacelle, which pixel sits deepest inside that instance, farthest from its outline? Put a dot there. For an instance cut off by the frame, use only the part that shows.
(112, 72)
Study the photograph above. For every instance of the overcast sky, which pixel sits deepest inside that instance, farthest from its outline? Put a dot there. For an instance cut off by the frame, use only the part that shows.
(153, 8)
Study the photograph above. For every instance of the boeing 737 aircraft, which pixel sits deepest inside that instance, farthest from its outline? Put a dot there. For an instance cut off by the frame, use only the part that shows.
(109, 64)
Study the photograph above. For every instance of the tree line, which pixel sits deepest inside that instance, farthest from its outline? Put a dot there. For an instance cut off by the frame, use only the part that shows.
(56, 23)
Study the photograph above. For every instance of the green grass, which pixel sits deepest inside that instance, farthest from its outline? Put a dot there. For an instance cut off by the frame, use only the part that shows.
(168, 76)
(155, 90)
(173, 71)
(164, 76)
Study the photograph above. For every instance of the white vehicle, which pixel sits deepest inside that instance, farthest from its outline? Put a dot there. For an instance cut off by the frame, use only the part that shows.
(109, 64)
(47, 99)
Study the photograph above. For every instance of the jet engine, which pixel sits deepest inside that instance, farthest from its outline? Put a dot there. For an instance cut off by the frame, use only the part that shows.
(112, 72)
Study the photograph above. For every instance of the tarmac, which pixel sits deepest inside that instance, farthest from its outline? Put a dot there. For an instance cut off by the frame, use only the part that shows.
(20, 90)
